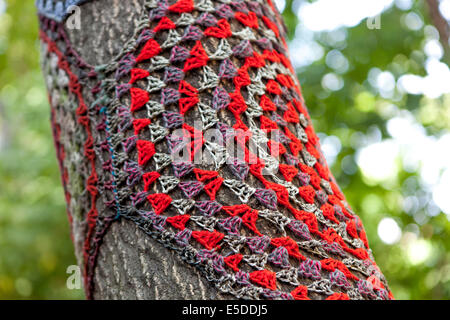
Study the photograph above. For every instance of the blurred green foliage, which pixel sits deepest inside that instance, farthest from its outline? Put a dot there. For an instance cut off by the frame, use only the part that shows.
(35, 244)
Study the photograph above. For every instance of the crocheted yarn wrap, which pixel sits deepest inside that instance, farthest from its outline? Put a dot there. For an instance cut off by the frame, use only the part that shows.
(268, 222)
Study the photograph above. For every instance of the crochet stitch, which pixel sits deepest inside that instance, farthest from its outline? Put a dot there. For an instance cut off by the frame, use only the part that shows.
(267, 223)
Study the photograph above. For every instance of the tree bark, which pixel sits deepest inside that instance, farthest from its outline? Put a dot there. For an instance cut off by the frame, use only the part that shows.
(440, 23)
(124, 256)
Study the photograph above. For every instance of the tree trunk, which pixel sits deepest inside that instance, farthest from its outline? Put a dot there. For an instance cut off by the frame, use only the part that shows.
(148, 226)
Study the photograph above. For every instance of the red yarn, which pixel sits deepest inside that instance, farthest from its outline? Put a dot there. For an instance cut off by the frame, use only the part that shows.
(267, 124)
(164, 24)
(360, 253)
(285, 80)
(330, 235)
(187, 89)
(249, 20)
(312, 137)
(328, 212)
(255, 61)
(191, 132)
(295, 145)
(324, 172)
(391, 296)
(203, 175)
(315, 180)
(233, 261)
(313, 151)
(182, 6)
(308, 218)
(274, 8)
(139, 124)
(290, 245)
(150, 49)
(272, 26)
(237, 104)
(139, 98)
(338, 296)
(376, 283)
(212, 187)
(266, 104)
(300, 108)
(300, 293)
(198, 58)
(91, 185)
(242, 79)
(306, 169)
(271, 55)
(264, 278)
(276, 148)
(137, 74)
(159, 202)
(146, 150)
(281, 191)
(336, 190)
(186, 104)
(286, 62)
(288, 172)
(307, 193)
(330, 265)
(240, 125)
(196, 137)
(351, 229)
(208, 239)
(149, 178)
(223, 30)
(249, 220)
(335, 200)
(256, 169)
(273, 87)
(195, 146)
(291, 115)
(236, 209)
(363, 237)
(179, 222)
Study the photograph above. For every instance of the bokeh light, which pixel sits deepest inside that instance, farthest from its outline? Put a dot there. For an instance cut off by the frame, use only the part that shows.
(389, 231)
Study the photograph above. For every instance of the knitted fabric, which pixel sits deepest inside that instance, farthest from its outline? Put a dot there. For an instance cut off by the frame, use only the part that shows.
(270, 224)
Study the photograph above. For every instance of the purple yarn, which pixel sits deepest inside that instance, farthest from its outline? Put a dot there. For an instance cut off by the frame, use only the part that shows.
(178, 54)
(192, 33)
(208, 208)
(221, 98)
(279, 257)
(310, 269)
(191, 188)
(231, 225)
(182, 168)
(258, 244)
(238, 167)
(300, 229)
(227, 70)
(267, 197)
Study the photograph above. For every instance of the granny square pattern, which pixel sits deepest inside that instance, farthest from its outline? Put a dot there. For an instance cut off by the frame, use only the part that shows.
(266, 222)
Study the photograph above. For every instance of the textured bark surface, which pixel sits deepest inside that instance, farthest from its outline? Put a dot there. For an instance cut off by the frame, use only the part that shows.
(122, 84)
(130, 264)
